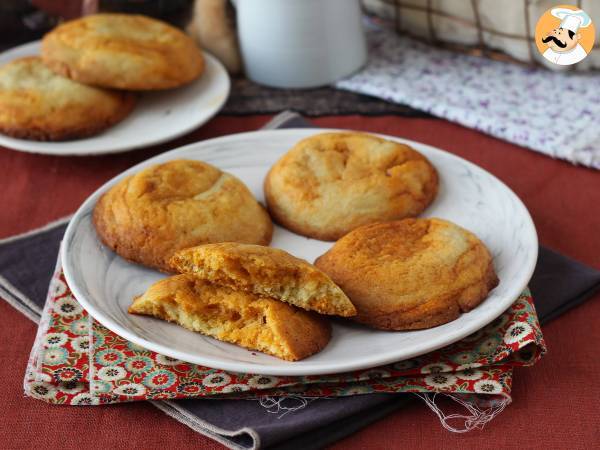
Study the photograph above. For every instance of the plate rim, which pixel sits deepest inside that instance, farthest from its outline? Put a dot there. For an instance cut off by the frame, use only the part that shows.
(24, 145)
(286, 368)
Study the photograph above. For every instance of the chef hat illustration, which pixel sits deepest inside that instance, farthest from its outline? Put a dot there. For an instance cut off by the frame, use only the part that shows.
(572, 19)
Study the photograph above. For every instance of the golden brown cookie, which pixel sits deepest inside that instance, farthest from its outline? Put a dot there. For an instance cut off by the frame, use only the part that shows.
(37, 104)
(266, 271)
(148, 216)
(412, 273)
(332, 183)
(122, 51)
(241, 318)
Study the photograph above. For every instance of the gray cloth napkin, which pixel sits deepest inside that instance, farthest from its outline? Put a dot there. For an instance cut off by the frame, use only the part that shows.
(27, 263)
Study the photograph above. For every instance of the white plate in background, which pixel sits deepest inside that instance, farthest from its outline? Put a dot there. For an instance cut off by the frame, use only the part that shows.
(158, 116)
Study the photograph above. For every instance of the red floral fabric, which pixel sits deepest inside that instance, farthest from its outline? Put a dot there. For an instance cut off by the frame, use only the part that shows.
(77, 361)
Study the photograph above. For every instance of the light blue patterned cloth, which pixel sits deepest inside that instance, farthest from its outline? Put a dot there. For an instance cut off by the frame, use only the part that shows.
(557, 114)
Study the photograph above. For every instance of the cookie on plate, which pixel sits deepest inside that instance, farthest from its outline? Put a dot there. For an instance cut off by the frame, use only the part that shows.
(122, 51)
(150, 215)
(37, 104)
(331, 183)
(412, 273)
(241, 318)
(266, 271)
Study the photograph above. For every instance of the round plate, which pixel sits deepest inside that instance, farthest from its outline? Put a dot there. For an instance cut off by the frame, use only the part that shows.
(105, 284)
(158, 116)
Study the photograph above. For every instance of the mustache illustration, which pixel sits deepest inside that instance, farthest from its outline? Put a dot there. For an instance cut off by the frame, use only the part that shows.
(556, 41)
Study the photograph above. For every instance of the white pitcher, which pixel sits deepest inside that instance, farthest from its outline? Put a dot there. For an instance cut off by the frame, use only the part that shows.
(300, 43)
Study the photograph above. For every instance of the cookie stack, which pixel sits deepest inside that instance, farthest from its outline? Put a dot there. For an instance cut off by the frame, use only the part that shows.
(387, 270)
(88, 67)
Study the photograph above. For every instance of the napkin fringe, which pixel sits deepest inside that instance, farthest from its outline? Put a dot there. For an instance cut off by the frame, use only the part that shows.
(282, 406)
(476, 418)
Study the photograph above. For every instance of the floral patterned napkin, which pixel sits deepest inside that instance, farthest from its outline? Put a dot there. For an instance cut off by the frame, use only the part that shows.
(77, 361)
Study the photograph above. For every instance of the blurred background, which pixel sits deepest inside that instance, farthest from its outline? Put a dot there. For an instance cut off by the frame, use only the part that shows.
(499, 30)
(479, 63)
(27, 20)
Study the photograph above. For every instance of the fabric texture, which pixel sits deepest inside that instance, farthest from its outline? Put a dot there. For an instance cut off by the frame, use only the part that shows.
(77, 361)
(59, 292)
(61, 339)
(556, 114)
(247, 97)
(242, 423)
(62, 183)
(480, 25)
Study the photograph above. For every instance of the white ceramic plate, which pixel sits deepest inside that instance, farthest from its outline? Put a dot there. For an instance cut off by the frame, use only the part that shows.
(105, 284)
(158, 116)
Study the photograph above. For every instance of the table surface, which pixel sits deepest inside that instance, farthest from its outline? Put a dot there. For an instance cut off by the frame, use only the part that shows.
(554, 402)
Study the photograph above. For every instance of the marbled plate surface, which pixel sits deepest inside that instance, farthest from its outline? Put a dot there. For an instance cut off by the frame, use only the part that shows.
(158, 116)
(105, 284)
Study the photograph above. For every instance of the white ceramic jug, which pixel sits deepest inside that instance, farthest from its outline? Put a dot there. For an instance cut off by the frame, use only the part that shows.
(300, 43)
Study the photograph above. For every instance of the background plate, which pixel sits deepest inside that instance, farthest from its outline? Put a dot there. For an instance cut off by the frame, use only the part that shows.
(105, 284)
(158, 116)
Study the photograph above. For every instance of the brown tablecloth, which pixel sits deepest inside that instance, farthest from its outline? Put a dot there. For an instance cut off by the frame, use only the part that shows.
(555, 402)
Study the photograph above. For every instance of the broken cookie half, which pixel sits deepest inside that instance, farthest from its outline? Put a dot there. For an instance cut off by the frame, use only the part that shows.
(239, 317)
(265, 271)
